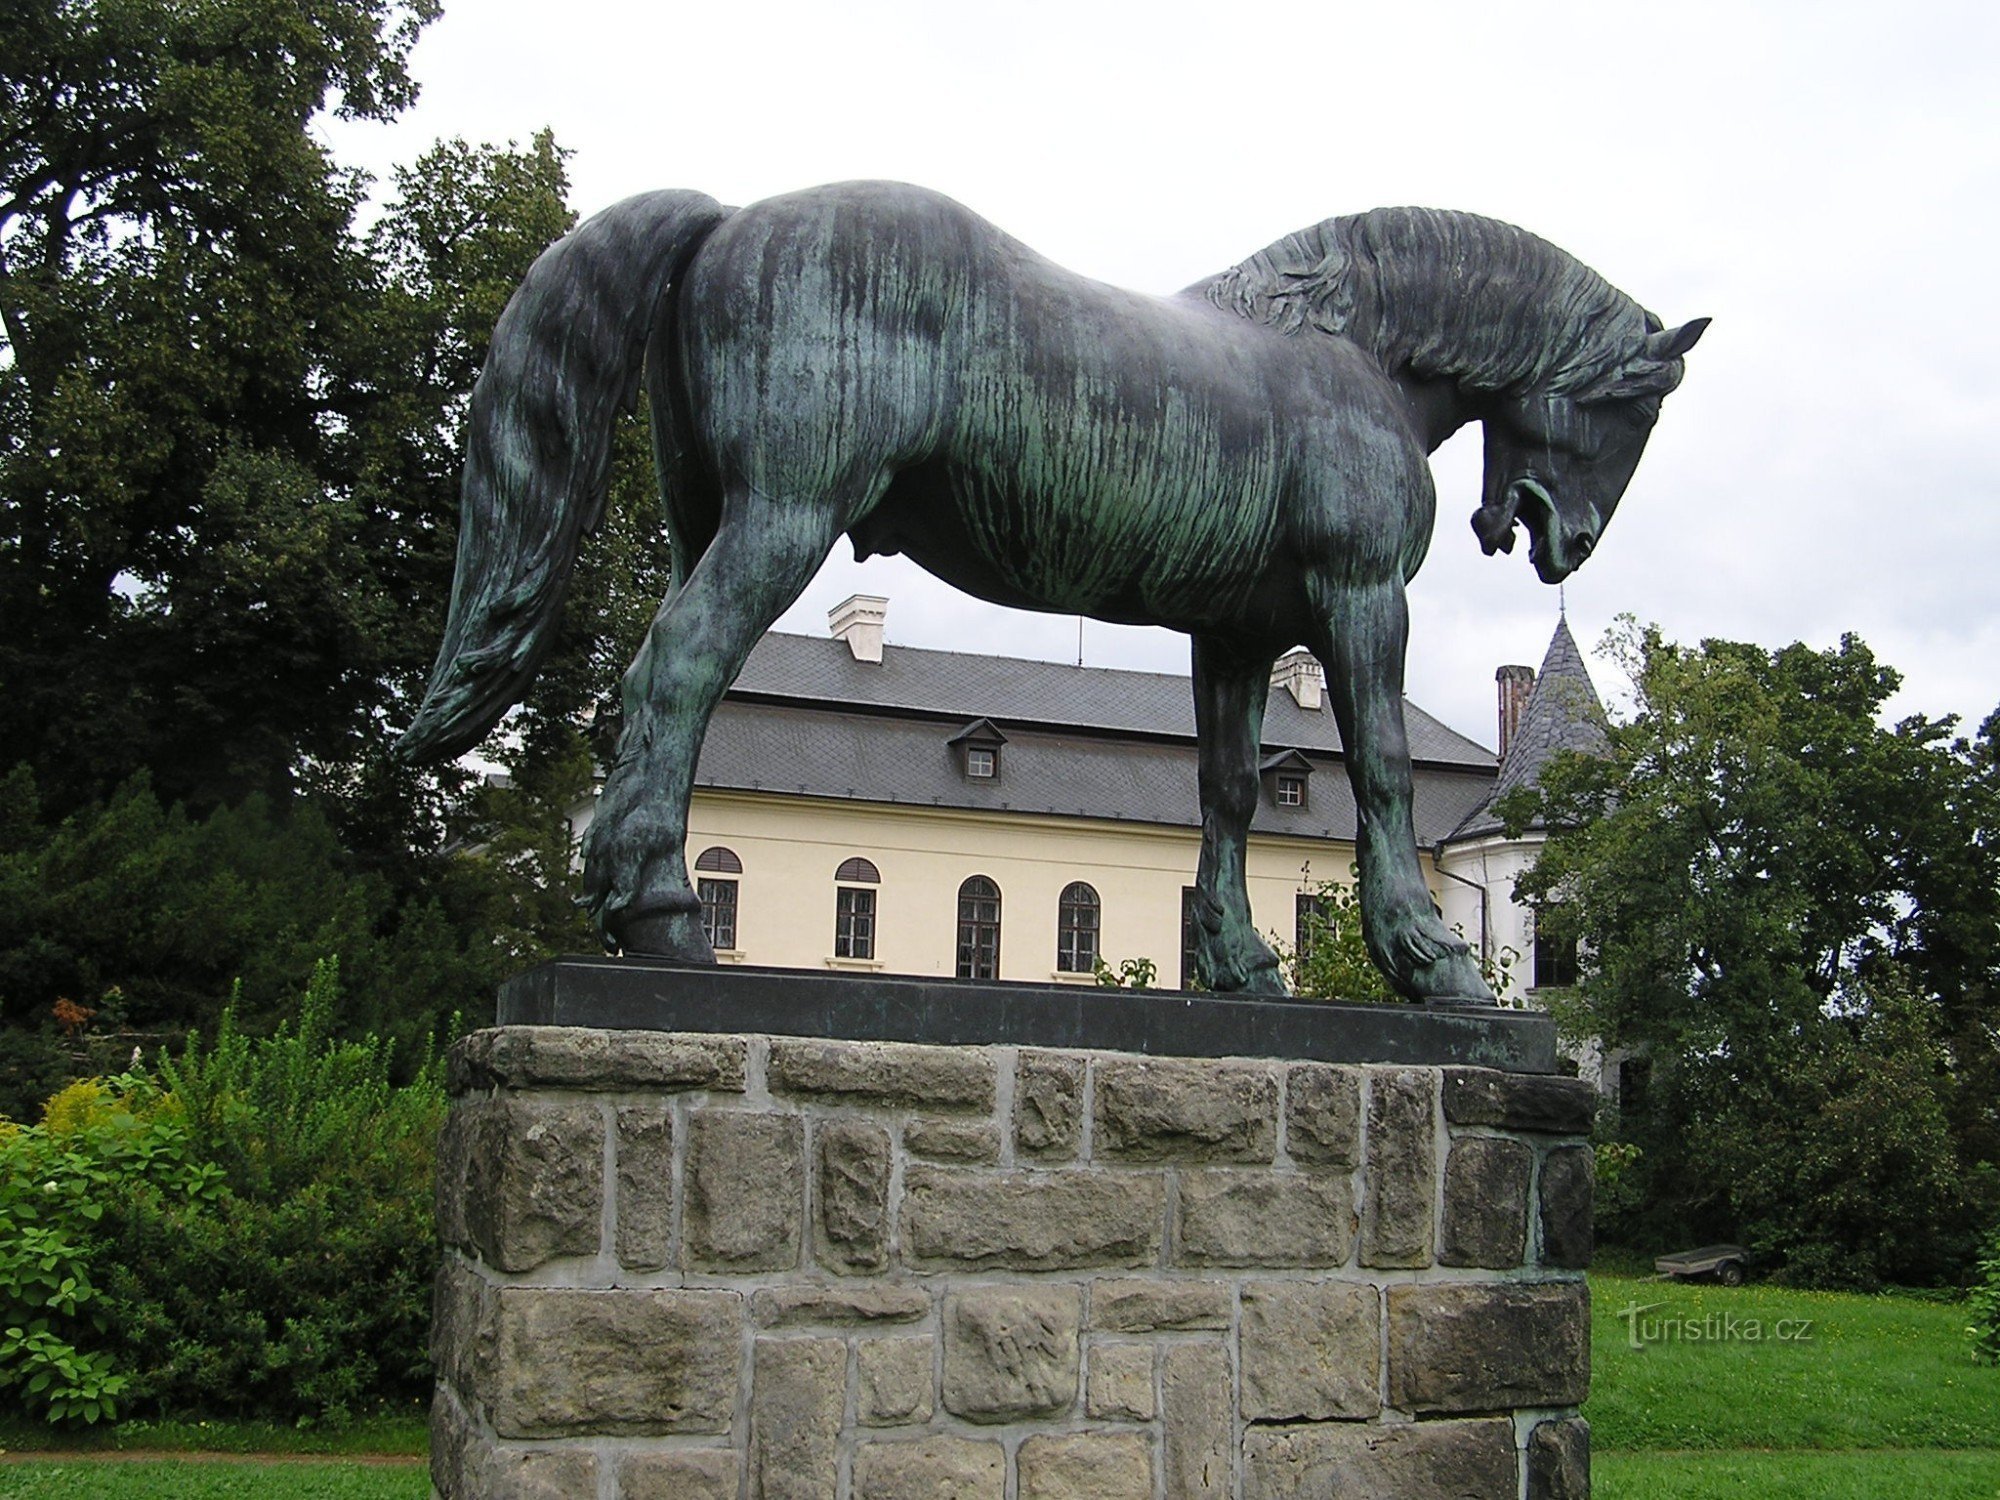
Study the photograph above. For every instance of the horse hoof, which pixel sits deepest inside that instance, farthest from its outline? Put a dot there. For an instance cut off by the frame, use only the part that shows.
(1453, 979)
(662, 932)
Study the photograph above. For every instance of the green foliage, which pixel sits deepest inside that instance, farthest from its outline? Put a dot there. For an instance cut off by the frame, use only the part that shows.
(1983, 1305)
(151, 916)
(247, 1232)
(98, 1145)
(1131, 973)
(1792, 913)
(230, 427)
(302, 1289)
(187, 582)
(1330, 959)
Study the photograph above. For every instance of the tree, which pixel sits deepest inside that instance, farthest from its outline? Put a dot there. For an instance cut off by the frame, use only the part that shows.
(1793, 913)
(230, 429)
(183, 576)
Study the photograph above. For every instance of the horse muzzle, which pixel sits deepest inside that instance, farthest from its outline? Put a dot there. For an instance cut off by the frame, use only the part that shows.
(1554, 548)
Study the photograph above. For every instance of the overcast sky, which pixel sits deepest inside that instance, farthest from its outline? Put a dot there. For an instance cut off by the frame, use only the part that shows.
(1821, 179)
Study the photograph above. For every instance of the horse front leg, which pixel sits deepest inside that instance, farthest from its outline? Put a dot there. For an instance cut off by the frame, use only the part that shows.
(1361, 647)
(1230, 686)
(635, 879)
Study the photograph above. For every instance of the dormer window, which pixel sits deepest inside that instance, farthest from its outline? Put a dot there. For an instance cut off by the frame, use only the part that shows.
(978, 749)
(1284, 776)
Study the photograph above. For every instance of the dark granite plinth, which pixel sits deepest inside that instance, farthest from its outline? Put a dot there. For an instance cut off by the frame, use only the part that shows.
(642, 994)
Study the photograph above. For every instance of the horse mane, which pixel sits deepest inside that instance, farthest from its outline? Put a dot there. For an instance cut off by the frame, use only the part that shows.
(1442, 294)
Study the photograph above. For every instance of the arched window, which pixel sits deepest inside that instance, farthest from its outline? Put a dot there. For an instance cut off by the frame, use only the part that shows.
(718, 897)
(854, 908)
(1077, 914)
(979, 929)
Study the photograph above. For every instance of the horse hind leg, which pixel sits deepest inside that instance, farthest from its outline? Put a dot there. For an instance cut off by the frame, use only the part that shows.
(1230, 686)
(635, 878)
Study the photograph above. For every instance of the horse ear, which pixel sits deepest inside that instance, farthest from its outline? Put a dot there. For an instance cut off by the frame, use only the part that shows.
(1672, 343)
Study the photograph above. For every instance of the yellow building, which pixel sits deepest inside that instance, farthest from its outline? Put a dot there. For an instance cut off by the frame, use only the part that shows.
(868, 806)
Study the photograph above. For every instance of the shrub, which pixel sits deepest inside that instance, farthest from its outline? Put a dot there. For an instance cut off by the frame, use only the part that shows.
(1985, 1304)
(246, 1233)
(301, 1290)
(103, 1141)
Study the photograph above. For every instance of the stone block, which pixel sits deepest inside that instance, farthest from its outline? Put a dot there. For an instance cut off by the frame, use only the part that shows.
(1196, 1399)
(1230, 1218)
(1086, 1466)
(838, 1306)
(1415, 1461)
(1569, 1186)
(645, 1209)
(1048, 1105)
(1559, 1460)
(1011, 1352)
(463, 1309)
(572, 1362)
(1488, 1347)
(585, 1058)
(903, 1073)
(1397, 1216)
(535, 1188)
(968, 1217)
(1120, 1385)
(1486, 1203)
(1312, 1351)
(680, 1474)
(1145, 1305)
(1541, 1102)
(454, 1447)
(1323, 1115)
(450, 1188)
(851, 1195)
(953, 1140)
(798, 1392)
(538, 1474)
(1185, 1109)
(894, 1381)
(745, 1192)
(936, 1468)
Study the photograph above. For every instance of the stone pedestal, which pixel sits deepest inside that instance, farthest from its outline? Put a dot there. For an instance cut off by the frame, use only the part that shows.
(709, 1264)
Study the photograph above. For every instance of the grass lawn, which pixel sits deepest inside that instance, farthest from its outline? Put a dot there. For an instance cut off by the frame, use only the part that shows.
(1754, 1390)
(211, 1479)
(1780, 1394)
(1795, 1476)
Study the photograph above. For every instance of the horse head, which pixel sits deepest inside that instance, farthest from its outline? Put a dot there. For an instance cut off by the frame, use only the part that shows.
(1559, 463)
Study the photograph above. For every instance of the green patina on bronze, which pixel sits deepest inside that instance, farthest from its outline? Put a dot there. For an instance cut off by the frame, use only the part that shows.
(1244, 461)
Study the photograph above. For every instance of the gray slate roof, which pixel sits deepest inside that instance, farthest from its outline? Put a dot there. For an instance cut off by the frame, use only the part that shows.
(806, 719)
(1563, 713)
(1010, 691)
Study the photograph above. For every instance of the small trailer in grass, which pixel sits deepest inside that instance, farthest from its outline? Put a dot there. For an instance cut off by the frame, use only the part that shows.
(1724, 1263)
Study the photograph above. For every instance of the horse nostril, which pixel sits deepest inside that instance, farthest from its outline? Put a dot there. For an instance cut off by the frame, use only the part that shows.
(1584, 545)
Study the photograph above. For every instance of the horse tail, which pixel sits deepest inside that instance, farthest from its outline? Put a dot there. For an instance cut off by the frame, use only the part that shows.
(565, 358)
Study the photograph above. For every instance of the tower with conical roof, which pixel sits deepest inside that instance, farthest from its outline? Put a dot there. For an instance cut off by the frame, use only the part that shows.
(1541, 714)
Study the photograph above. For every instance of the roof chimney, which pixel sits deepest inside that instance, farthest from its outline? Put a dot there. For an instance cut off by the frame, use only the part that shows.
(1298, 673)
(858, 620)
(1516, 683)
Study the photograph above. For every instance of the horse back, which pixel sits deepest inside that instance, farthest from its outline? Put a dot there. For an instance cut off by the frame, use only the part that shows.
(1032, 435)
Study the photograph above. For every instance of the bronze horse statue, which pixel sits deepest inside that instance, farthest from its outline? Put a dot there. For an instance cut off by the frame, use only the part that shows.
(1244, 461)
